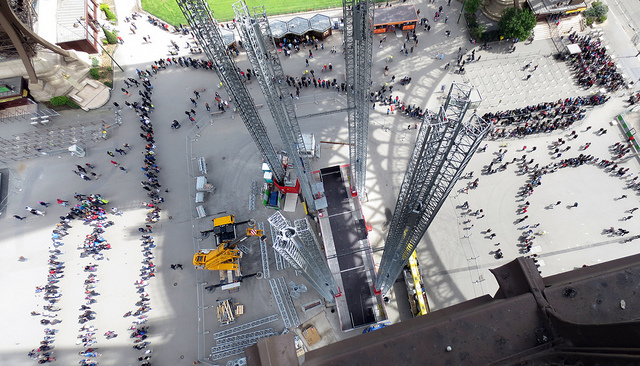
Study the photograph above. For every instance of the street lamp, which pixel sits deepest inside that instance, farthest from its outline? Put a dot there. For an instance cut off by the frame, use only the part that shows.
(461, 10)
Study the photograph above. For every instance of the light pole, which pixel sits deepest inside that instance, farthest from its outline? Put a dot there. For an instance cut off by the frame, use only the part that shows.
(461, 10)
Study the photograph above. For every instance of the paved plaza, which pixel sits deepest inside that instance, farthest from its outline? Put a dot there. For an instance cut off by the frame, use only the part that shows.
(455, 255)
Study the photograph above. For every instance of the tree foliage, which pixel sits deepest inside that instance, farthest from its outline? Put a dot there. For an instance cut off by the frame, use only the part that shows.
(516, 23)
(597, 11)
(107, 12)
(58, 101)
(112, 38)
(472, 6)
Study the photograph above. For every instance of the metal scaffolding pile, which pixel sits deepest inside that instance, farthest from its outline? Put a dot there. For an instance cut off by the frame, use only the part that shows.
(444, 146)
(207, 32)
(300, 247)
(263, 55)
(358, 41)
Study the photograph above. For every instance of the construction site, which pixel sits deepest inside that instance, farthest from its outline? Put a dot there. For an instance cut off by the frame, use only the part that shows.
(305, 221)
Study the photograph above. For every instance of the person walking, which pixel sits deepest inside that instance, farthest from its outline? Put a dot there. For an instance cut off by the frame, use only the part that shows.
(114, 163)
(123, 169)
(110, 153)
(62, 202)
(195, 104)
(45, 204)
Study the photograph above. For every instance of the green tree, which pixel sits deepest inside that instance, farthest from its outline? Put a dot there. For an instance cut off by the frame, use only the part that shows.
(472, 6)
(597, 11)
(516, 23)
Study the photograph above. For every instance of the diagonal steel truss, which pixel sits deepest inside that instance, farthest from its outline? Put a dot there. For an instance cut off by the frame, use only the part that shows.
(263, 55)
(300, 247)
(206, 30)
(358, 41)
(444, 146)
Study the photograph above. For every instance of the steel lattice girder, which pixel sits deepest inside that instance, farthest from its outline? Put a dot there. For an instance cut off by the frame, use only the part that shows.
(358, 39)
(207, 31)
(300, 247)
(443, 149)
(263, 55)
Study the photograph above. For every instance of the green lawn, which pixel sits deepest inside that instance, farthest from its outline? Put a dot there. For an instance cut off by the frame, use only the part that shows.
(169, 11)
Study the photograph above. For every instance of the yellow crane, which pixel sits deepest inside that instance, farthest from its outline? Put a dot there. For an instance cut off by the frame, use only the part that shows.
(225, 257)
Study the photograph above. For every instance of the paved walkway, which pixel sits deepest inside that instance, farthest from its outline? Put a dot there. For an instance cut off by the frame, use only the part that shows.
(455, 268)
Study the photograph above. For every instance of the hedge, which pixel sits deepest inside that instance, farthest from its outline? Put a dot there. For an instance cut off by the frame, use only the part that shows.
(111, 36)
(58, 101)
(108, 13)
(95, 73)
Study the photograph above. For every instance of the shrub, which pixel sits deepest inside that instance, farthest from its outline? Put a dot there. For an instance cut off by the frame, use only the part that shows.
(107, 12)
(59, 101)
(95, 62)
(111, 36)
(95, 73)
(476, 32)
(491, 36)
(109, 84)
(472, 6)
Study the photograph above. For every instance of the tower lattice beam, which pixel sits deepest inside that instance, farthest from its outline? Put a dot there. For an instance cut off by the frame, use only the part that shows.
(358, 41)
(207, 31)
(444, 146)
(262, 53)
(299, 246)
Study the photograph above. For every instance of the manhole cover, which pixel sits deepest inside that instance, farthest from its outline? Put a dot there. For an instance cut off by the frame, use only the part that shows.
(175, 284)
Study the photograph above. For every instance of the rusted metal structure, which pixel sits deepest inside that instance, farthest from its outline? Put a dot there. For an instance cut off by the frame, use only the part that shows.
(586, 316)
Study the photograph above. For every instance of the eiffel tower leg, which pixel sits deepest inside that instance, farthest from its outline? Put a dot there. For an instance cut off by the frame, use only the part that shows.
(19, 34)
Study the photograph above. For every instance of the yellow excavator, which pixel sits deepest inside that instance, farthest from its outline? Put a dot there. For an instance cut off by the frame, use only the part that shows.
(225, 257)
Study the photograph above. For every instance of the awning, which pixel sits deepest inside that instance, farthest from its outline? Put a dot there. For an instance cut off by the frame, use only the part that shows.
(278, 28)
(227, 36)
(320, 22)
(298, 26)
(574, 48)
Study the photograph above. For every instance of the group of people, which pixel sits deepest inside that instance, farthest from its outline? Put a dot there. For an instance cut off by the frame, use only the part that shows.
(535, 173)
(610, 167)
(593, 66)
(540, 118)
(89, 210)
(152, 187)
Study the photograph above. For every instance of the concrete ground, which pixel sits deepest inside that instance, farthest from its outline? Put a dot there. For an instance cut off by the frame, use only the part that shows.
(454, 261)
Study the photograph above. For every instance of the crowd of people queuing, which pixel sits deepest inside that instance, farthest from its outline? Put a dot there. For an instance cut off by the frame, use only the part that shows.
(535, 173)
(90, 211)
(593, 66)
(540, 118)
(152, 187)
